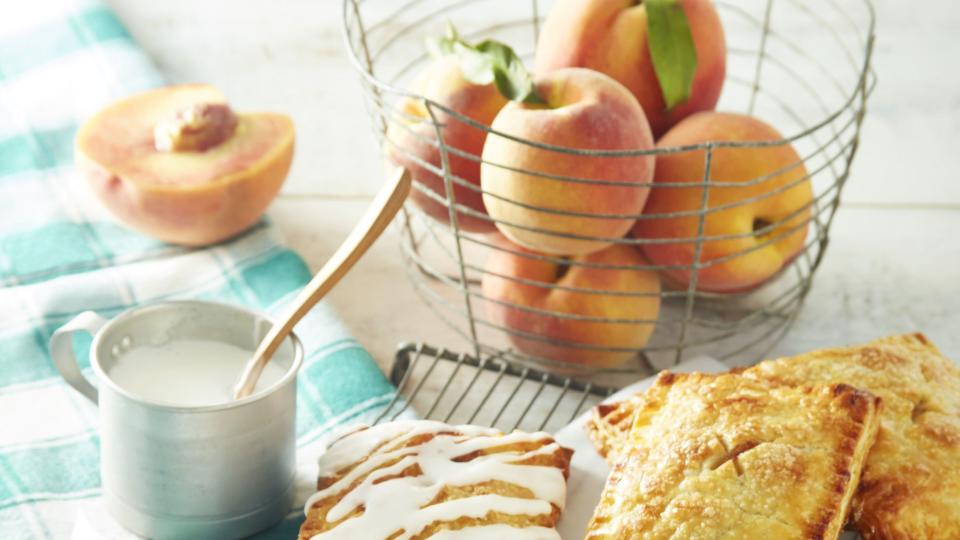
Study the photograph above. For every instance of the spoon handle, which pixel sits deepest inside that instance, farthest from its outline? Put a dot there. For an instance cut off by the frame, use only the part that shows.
(381, 211)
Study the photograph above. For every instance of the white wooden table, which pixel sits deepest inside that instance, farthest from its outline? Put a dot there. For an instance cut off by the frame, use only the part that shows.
(894, 260)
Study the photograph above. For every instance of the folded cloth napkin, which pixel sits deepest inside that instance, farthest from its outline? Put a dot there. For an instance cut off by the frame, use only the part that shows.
(60, 254)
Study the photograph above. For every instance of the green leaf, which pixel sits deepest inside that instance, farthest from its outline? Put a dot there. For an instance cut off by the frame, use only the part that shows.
(489, 62)
(511, 77)
(671, 48)
(476, 66)
(439, 46)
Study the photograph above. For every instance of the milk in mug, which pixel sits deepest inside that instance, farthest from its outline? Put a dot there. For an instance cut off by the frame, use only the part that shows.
(187, 372)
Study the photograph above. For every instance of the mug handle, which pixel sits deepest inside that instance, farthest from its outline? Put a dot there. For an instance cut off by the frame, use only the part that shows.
(61, 349)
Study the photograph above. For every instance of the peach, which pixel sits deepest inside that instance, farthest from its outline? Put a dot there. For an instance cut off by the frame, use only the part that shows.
(611, 36)
(412, 140)
(766, 210)
(585, 110)
(610, 293)
(178, 164)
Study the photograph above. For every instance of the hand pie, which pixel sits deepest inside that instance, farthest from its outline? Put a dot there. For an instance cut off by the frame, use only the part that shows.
(422, 479)
(911, 486)
(609, 424)
(729, 457)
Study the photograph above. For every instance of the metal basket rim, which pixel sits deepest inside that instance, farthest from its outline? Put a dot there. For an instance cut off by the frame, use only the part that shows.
(862, 81)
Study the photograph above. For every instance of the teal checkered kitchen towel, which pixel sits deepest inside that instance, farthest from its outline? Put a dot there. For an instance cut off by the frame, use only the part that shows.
(60, 254)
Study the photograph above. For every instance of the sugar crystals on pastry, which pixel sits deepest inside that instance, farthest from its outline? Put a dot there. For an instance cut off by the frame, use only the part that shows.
(421, 479)
(911, 486)
(726, 456)
(609, 424)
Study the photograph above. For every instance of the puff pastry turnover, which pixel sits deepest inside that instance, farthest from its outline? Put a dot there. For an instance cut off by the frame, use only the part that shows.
(729, 457)
(609, 423)
(911, 485)
(421, 479)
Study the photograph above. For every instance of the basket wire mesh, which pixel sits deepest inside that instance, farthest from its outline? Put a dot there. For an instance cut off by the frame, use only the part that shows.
(802, 66)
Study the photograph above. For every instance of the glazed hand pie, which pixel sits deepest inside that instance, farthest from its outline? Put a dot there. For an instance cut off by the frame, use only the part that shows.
(911, 486)
(420, 479)
(730, 457)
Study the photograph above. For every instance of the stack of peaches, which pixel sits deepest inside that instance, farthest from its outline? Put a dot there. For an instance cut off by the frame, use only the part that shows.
(603, 176)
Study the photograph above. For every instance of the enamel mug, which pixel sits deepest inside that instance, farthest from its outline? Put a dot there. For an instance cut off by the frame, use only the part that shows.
(220, 471)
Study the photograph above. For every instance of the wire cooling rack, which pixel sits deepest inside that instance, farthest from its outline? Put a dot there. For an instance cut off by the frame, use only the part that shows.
(490, 390)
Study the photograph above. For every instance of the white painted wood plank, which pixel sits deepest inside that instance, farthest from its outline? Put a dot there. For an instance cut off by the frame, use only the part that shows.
(375, 301)
(886, 272)
(913, 119)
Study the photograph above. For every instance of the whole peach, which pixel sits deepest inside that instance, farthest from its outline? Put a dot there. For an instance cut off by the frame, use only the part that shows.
(611, 36)
(412, 140)
(764, 214)
(527, 187)
(622, 292)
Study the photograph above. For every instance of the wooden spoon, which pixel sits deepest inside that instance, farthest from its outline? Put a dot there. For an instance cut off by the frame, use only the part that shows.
(386, 205)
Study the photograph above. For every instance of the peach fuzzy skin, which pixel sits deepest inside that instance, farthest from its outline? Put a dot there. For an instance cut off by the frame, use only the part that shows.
(585, 110)
(645, 306)
(611, 36)
(411, 140)
(789, 208)
(190, 198)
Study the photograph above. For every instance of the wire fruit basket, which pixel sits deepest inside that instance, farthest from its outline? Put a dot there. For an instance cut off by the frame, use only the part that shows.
(802, 66)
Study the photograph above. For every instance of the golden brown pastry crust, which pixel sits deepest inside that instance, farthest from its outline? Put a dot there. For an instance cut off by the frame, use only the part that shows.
(540, 450)
(911, 485)
(609, 423)
(726, 456)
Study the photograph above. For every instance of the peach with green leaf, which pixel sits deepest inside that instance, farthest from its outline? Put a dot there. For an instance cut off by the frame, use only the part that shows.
(178, 164)
(419, 123)
(557, 200)
(670, 53)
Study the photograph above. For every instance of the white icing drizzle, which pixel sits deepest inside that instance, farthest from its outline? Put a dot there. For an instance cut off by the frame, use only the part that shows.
(399, 504)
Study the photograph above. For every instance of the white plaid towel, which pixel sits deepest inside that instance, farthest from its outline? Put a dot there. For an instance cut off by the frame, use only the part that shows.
(60, 254)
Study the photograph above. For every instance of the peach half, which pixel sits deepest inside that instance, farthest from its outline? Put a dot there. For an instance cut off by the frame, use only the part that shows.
(178, 164)
(573, 312)
(758, 205)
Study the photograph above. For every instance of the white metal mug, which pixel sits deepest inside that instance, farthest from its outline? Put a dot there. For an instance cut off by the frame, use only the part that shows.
(220, 471)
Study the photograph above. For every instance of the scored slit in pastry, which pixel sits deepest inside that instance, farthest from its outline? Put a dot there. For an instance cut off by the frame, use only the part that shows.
(411, 480)
(910, 489)
(728, 457)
